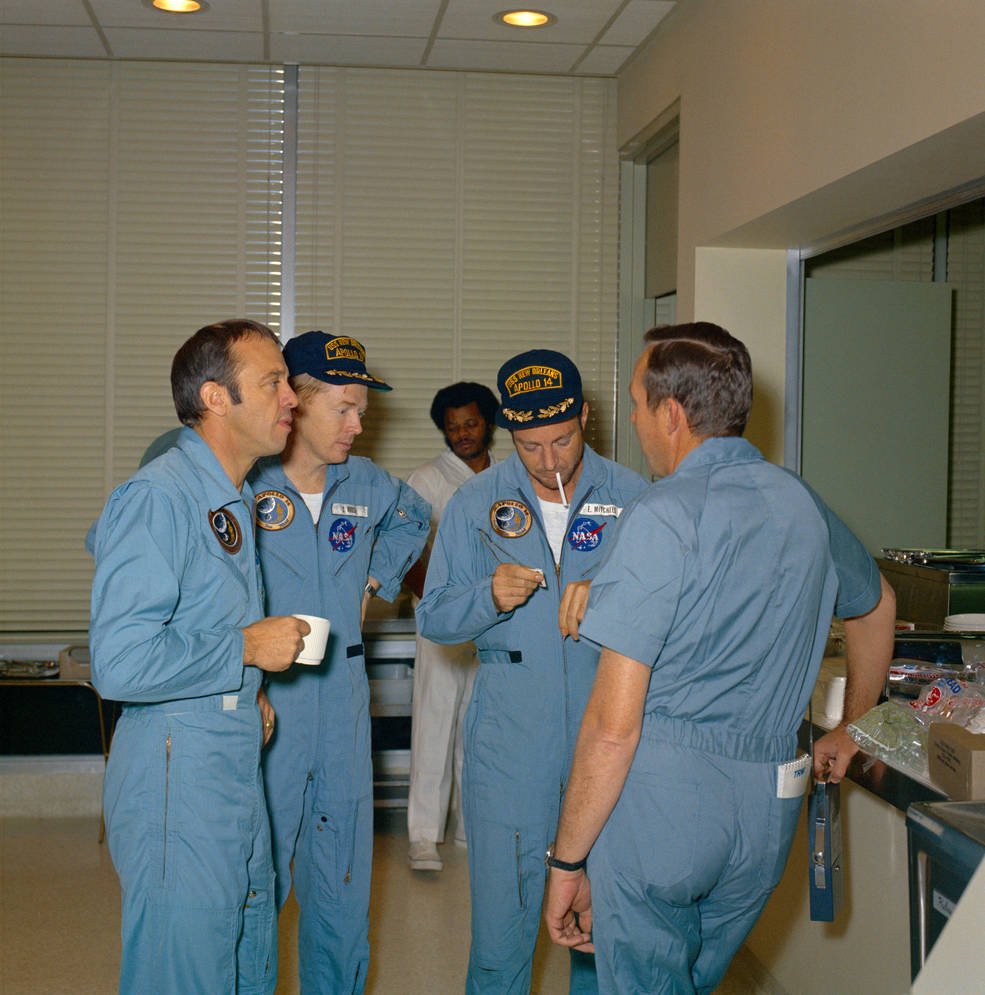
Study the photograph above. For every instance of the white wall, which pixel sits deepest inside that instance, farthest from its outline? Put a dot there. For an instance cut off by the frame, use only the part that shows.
(743, 290)
(800, 119)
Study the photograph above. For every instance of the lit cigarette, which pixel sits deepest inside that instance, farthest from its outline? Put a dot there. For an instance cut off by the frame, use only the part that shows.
(560, 487)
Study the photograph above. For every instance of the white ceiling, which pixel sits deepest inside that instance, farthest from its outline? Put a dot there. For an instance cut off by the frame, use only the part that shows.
(593, 37)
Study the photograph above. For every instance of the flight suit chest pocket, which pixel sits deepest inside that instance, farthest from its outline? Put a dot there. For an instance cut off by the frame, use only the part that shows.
(210, 579)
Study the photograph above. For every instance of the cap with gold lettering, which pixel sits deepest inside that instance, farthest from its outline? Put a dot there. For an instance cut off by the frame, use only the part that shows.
(538, 387)
(331, 358)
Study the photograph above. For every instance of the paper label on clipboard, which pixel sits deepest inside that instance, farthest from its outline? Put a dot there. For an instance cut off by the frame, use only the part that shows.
(792, 777)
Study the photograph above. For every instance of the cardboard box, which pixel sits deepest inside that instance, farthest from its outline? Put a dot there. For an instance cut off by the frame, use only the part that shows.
(957, 761)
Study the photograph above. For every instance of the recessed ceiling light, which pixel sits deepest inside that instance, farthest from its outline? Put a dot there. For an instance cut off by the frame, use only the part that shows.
(180, 6)
(525, 18)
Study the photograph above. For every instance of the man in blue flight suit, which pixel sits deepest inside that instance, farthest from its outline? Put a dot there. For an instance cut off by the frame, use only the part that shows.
(178, 635)
(514, 557)
(333, 530)
(713, 606)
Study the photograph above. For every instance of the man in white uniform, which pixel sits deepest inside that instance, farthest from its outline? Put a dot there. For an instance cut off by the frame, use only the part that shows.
(443, 675)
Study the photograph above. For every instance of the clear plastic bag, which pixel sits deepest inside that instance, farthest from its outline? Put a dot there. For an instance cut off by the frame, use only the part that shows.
(915, 672)
(891, 733)
(950, 699)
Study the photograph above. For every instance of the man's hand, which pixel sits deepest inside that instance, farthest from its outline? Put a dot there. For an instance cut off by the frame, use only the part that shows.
(513, 584)
(868, 650)
(568, 909)
(832, 754)
(266, 715)
(273, 643)
(573, 604)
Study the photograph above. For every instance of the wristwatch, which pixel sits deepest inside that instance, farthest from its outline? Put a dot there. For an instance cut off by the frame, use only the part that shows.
(369, 589)
(563, 865)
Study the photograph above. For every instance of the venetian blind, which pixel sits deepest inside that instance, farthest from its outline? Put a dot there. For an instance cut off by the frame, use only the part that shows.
(138, 201)
(450, 220)
(966, 273)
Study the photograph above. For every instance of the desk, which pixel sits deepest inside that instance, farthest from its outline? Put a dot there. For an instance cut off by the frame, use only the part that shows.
(73, 671)
(389, 652)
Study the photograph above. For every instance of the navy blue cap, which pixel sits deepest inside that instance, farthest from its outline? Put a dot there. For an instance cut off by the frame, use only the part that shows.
(331, 358)
(538, 387)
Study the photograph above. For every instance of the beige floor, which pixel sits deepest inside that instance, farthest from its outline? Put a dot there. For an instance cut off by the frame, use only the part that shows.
(60, 908)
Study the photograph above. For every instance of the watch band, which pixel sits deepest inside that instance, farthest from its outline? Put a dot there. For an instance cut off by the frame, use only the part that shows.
(563, 865)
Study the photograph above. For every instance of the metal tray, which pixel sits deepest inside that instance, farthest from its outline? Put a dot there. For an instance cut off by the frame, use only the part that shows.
(963, 558)
(28, 669)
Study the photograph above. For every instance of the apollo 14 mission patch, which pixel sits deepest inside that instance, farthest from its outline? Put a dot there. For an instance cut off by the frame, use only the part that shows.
(510, 519)
(274, 510)
(226, 530)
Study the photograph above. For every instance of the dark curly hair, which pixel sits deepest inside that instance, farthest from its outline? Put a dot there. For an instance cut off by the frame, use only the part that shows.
(461, 394)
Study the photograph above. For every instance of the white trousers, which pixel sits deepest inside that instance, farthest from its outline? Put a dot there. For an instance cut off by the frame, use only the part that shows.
(443, 679)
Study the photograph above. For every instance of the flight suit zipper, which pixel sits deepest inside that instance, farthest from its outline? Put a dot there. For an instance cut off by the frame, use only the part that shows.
(324, 501)
(352, 850)
(519, 871)
(167, 788)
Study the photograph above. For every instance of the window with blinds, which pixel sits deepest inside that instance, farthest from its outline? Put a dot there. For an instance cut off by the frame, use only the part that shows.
(138, 201)
(451, 220)
(447, 220)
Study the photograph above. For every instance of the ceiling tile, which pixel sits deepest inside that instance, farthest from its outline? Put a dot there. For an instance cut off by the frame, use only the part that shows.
(526, 58)
(212, 46)
(578, 21)
(222, 15)
(345, 17)
(345, 32)
(356, 50)
(65, 12)
(66, 43)
(605, 59)
(636, 22)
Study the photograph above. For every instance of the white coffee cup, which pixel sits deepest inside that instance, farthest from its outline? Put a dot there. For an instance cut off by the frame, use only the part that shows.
(314, 642)
(834, 698)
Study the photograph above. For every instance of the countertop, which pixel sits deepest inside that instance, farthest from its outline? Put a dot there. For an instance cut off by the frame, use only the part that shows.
(894, 786)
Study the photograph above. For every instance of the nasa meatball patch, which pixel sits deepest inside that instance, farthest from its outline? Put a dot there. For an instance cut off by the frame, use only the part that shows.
(585, 534)
(342, 535)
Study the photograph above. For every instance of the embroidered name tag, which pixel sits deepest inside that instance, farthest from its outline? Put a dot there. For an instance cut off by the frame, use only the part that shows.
(612, 510)
(354, 510)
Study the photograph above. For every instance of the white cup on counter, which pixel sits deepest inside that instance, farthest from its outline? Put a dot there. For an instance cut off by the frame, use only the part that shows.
(834, 698)
(315, 641)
